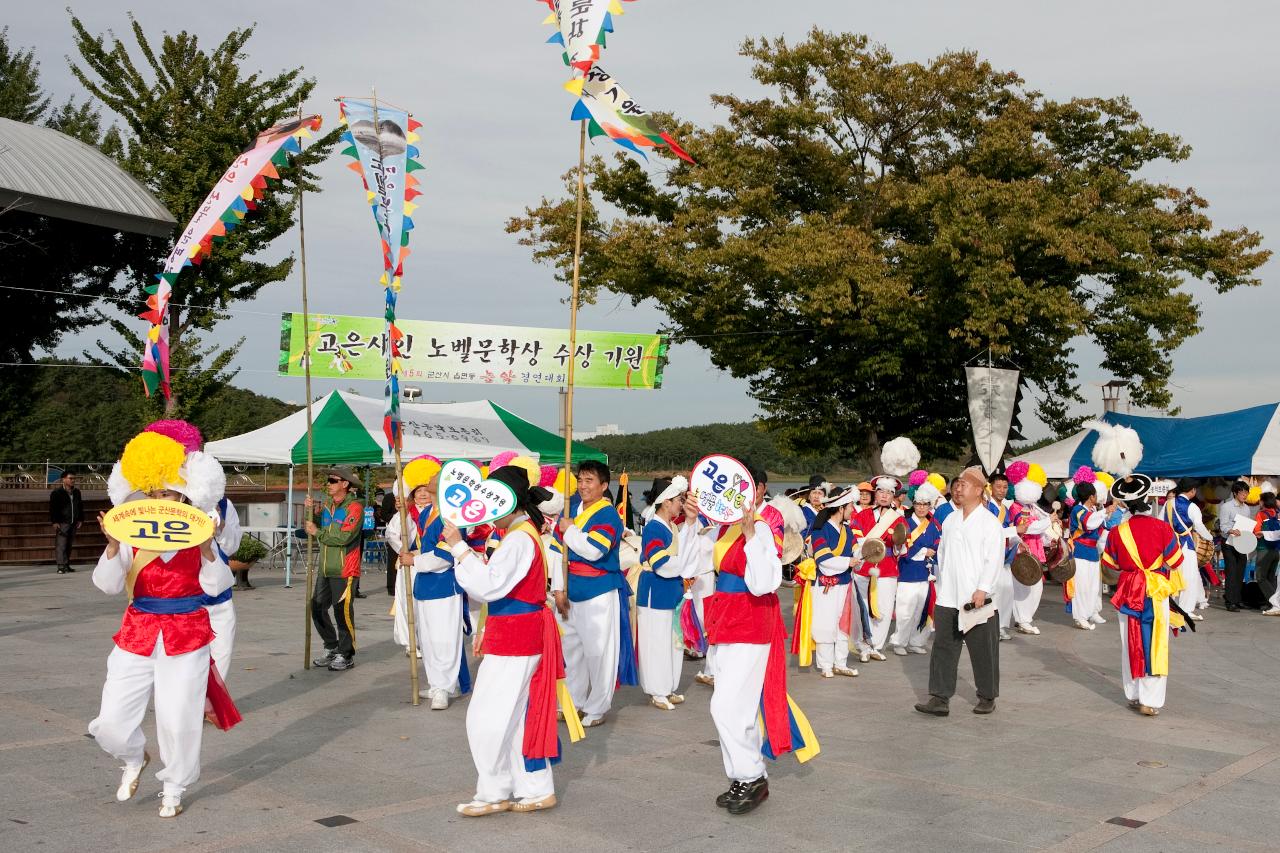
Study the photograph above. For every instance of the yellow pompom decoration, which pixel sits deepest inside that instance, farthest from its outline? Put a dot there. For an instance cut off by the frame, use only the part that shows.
(530, 467)
(1255, 495)
(938, 481)
(559, 484)
(1105, 479)
(419, 471)
(151, 462)
(1036, 474)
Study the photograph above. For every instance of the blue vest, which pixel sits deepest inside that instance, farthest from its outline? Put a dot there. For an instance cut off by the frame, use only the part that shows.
(826, 543)
(916, 571)
(1085, 541)
(431, 586)
(606, 525)
(653, 591)
(1178, 514)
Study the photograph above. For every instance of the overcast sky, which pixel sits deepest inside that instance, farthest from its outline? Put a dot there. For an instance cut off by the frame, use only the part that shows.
(496, 137)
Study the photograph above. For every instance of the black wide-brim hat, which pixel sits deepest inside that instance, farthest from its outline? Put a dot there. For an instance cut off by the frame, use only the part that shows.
(1132, 488)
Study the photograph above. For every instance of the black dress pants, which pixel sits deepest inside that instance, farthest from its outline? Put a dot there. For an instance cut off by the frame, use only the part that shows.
(1233, 563)
(984, 654)
(337, 595)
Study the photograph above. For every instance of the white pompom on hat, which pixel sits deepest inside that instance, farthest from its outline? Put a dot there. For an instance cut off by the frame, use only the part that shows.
(899, 456)
(1027, 492)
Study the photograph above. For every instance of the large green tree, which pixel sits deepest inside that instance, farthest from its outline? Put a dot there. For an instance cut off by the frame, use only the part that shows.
(850, 239)
(186, 113)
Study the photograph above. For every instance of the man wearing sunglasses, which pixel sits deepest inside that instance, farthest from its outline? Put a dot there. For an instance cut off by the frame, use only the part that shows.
(336, 525)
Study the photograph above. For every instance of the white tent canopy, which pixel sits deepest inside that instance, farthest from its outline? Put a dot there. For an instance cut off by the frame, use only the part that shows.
(348, 430)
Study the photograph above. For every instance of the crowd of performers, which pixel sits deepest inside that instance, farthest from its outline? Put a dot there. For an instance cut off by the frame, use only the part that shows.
(545, 600)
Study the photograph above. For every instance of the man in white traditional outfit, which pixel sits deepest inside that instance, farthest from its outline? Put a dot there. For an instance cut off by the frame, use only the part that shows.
(970, 557)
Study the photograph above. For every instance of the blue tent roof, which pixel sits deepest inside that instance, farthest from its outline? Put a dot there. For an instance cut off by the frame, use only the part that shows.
(1222, 445)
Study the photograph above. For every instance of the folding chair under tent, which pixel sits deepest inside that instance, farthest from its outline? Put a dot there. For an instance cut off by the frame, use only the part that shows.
(348, 431)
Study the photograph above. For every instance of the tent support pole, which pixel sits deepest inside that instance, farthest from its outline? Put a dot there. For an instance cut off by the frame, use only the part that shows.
(288, 542)
(306, 372)
(573, 335)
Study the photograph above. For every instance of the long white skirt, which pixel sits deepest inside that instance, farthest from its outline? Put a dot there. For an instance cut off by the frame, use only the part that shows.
(661, 652)
(831, 645)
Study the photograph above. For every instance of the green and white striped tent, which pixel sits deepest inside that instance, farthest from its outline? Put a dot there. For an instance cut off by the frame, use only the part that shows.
(348, 431)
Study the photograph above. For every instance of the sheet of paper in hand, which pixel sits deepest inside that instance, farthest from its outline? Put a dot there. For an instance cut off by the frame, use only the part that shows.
(467, 499)
(723, 488)
(158, 525)
(972, 618)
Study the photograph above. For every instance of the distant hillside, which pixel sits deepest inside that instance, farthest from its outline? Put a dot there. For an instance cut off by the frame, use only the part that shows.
(87, 414)
(677, 449)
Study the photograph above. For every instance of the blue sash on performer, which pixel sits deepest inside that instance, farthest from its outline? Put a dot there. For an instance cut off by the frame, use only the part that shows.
(512, 607)
(168, 606)
(727, 582)
(210, 600)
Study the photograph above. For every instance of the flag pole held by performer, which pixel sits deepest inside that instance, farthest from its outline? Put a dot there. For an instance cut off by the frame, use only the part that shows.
(306, 366)
(573, 333)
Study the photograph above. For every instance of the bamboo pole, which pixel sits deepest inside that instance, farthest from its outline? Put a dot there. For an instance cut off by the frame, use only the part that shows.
(306, 373)
(573, 336)
(399, 483)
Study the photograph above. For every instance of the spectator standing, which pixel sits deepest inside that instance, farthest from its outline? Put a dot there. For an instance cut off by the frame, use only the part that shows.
(66, 513)
(1233, 562)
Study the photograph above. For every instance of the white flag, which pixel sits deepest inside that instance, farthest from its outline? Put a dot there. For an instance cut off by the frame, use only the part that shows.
(992, 394)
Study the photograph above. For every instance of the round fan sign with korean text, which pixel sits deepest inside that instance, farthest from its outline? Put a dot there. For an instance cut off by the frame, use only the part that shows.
(154, 525)
(466, 498)
(723, 487)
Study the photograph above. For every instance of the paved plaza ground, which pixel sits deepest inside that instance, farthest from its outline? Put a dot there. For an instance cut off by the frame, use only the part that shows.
(342, 761)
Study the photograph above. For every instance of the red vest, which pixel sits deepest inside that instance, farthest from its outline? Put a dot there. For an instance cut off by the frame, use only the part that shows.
(520, 634)
(183, 632)
(864, 522)
(738, 617)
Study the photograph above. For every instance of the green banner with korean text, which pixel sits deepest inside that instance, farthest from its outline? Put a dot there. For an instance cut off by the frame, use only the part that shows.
(342, 347)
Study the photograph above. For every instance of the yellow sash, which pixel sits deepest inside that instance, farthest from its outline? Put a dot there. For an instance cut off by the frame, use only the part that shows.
(563, 698)
(918, 532)
(724, 543)
(141, 559)
(1159, 589)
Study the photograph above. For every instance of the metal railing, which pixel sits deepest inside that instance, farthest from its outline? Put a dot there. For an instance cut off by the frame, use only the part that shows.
(93, 475)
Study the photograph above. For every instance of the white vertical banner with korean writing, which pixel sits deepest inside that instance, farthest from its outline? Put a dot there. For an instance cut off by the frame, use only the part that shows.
(993, 393)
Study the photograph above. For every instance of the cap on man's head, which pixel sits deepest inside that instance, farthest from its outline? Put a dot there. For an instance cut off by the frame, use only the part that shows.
(973, 476)
(344, 473)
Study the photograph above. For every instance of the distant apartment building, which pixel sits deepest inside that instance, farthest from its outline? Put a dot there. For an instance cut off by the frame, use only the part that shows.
(602, 429)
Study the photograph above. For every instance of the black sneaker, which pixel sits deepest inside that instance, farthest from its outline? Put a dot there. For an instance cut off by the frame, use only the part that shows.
(341, 662)
(62, 570)
(326, 660)
(734, 793)
(753, 794)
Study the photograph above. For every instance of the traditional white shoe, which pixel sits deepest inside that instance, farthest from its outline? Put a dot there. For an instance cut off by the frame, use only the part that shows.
(1005, 635)
(826, 673)
(918, 650)
(1097, 619)
(170, 805)
(846, 671)
(676, 698)
(661, 702)
(1271, 611)
(439, 699)
(899, 650)
(1196, 616)
(1090, 626)
(476, 808)
(863, 657)
(590, 721)
(129, 779)
(1027, 628)
(1083, 626)
(535, 804)
(703, 678)
(877, 655)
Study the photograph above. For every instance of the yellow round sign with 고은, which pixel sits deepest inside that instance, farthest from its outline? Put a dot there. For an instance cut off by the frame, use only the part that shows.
(154, 525)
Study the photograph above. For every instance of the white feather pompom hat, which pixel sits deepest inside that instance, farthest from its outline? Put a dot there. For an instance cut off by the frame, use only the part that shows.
(899, 456)
(1118, 450)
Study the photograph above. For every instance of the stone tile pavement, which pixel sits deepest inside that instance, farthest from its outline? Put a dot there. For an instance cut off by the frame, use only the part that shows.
(1061, 765)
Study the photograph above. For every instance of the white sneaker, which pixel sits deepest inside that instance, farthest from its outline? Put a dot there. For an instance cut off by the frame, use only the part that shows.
(129, 779)
(918, 650)
(900, 650)
(170, 805)
(1097, 619)
(439, 699)
(1005, 635)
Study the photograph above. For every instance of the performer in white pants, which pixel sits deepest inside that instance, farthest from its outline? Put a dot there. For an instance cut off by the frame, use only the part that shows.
(438, 603)
(915, 575)
(226, 541)
(878, 584)
(164, 640)
(594, 612)
(511, 718)
(703, 587)
(1183, 514)
(1026, 599)
(825, 603)
(744, 622)
(1086, 522)
(664, 550)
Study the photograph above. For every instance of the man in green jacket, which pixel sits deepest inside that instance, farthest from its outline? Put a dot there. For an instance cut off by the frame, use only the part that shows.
(336, 525)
